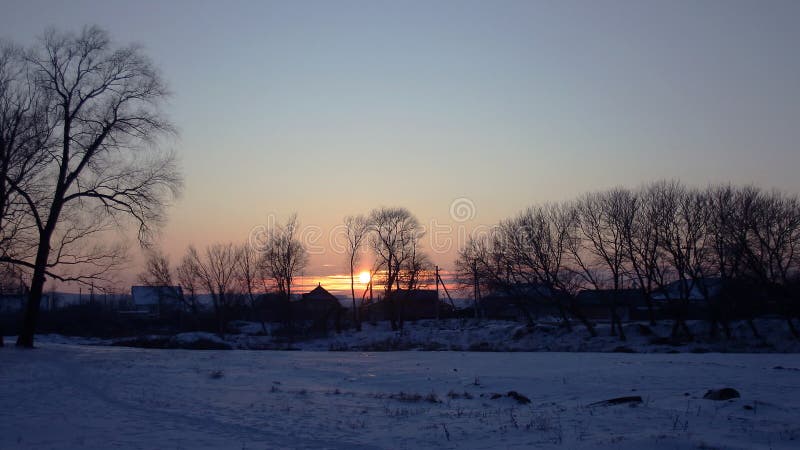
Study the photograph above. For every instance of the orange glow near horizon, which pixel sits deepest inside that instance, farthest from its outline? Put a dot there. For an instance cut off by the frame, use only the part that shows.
(363, 277)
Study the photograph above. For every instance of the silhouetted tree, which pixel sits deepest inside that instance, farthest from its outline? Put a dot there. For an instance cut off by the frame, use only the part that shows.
(683, 237)
(774, 249)
(215, 270)
(103, 164)
(395, 238)
(639, 218)
(537, 241)
(598, 248)
(189, 282)
(23, 136)
(284, 256)
(469, 269)
(158, 273)
(251, 275)
(357, 229)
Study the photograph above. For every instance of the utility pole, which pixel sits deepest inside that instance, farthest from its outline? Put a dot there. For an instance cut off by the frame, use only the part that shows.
(444, 286)
(437, 292)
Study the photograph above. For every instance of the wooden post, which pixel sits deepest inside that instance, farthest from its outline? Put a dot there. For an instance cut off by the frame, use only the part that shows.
(437, 292)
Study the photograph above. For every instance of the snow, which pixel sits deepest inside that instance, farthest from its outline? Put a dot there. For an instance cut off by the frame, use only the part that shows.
(499, 335)
(99, 397)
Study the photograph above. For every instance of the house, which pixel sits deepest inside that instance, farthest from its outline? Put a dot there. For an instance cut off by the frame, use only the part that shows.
(714, 297)
(316, 304)
(698, 296)
(274, 306)
(700, 290)
(596, 303)
(12, 303)
(422, 304)
(407, 304)
(518, 301)
(13, 292)
(155, 299)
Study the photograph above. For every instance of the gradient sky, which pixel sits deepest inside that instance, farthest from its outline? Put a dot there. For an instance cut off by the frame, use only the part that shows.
(331, 108)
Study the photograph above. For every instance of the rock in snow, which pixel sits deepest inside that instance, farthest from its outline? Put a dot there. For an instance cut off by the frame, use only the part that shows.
(721, 394)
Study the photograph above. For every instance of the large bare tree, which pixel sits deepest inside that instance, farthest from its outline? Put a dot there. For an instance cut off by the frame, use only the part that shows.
(395, 239)
(104, 163)
(23, 136)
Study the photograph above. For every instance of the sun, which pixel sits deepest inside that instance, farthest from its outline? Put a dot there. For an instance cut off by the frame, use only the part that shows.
(363, 277)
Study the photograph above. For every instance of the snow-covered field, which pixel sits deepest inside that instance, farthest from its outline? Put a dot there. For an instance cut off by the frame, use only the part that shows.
(492, 335)
(73, 396)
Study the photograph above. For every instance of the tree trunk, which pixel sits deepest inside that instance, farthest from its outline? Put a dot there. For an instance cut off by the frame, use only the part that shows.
(617, 320)
(564, 317)
(25, 338)
(579, 315)
(356, 322)
(526, 313)
(753, 328)
(650, 312)
(792, 328)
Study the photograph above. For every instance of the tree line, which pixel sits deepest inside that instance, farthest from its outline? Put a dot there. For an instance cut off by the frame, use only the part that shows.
(245, 275)
(664, 238)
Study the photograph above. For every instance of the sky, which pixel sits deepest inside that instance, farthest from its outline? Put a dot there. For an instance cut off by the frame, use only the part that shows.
(332, 108)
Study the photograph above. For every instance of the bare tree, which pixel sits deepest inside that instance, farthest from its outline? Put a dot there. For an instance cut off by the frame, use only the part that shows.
(189, 282)
(395, 239)
(357, 229)
(12, 282)
(598, 247)
(774, 250)
(103, 163)
(23, 136)
(469, 269)
(730, 210)
(538, 241)
(683, 239)
(489, 263)
(639, 217)
(284, 256)
(158, 273)
(251, 276)
(215, 270)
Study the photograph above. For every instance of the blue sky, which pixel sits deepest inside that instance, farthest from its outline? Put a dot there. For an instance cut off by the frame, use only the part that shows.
(332, 108)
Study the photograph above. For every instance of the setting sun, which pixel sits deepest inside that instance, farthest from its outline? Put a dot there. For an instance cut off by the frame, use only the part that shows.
(363, 277)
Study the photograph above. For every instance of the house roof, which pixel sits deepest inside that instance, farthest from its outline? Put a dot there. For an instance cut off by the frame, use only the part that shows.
(421, 295)
(603, 297)
(151, 295)
(529, 291)
(697, 290)
(319, 293)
